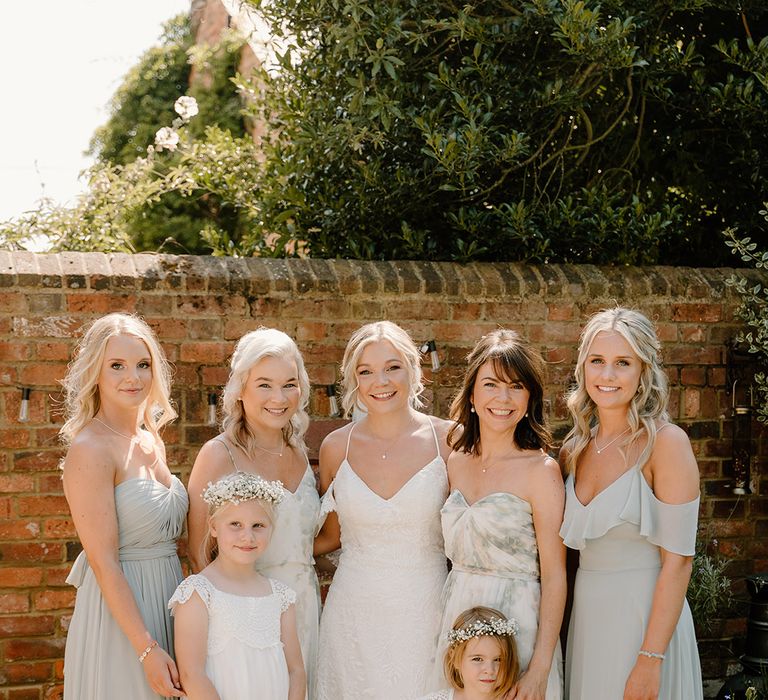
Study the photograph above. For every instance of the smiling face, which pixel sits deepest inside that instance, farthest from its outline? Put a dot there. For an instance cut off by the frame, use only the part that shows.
(612, 371)
(382, 378)
(242, 531)
(271, 394)
(125, 378)
(500, 402)
(480, 665)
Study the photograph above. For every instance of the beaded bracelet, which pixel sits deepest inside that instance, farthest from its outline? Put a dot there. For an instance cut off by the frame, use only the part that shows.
(651, 654)
(144, 653)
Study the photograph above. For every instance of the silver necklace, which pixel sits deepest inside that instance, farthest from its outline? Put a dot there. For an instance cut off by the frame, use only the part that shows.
(391, 445)
(109, 427)
(602, 449)
(269, 452)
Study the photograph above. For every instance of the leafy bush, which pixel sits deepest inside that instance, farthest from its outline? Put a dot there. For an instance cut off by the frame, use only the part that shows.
(753, 309)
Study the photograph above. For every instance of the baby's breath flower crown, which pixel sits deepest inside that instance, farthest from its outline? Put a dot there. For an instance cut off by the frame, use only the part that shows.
(241, 486)
(482, 628)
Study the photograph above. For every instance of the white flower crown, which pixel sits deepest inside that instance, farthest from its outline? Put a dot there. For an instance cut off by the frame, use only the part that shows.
(482, 628)
(242, 486)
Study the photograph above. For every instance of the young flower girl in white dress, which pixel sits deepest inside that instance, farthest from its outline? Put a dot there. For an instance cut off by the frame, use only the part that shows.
(236, 629)
(481, 661)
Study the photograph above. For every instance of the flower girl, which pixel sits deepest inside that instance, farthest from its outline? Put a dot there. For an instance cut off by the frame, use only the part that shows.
(236, 629)
(481, 660)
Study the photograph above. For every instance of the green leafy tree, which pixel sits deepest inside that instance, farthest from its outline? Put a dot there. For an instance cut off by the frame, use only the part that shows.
(550, 130)
(143, 104)
(627, 132)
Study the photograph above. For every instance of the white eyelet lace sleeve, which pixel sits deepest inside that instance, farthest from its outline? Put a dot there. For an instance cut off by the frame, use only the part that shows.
(287, 596)
(194, 583)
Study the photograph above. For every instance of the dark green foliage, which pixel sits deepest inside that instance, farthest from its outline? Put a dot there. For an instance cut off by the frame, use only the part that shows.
(626, 132)
(143, 104)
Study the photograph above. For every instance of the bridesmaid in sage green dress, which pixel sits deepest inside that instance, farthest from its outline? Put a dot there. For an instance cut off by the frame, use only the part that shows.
(265, 419)
(128, 511)
(632, 503)
(501, 520)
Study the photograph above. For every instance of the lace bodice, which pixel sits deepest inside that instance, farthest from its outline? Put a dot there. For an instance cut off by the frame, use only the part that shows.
(253, 621)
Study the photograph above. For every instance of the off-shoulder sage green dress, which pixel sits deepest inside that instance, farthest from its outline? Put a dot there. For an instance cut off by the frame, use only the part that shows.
(99, 661)
(619, 534)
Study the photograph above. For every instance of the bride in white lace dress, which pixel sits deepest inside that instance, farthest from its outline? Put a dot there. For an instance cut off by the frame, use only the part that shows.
(385, 480)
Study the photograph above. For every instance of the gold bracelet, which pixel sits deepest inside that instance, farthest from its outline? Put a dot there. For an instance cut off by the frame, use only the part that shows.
(144, 653)
(651, 654)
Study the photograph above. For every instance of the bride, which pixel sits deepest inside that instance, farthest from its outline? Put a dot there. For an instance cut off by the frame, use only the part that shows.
(384, 479)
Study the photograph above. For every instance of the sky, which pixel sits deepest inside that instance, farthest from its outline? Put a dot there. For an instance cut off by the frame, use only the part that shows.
(60, 63)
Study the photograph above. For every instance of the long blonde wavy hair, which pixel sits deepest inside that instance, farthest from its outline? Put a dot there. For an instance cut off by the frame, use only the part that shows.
(81, 383)
(649, 405)
(249, 351)
(403, 344)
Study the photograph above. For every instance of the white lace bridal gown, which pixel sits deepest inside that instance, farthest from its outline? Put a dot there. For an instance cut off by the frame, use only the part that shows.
(378, 627)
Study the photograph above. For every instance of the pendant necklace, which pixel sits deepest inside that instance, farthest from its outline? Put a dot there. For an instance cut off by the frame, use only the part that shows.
(391, 445)
(269, 452)
(602, 449)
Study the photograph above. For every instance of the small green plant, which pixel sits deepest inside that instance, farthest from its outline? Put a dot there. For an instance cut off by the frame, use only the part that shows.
(753, 309)
(709, 591)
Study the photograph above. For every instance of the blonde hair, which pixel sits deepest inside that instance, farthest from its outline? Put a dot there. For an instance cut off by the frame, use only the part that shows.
(648, 406)
(403, 344)
(249, 351)
(82, 400)
(509, 668)
(513, 359)
(208, 547)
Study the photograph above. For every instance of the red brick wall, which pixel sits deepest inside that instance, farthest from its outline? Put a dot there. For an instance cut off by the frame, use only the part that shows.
(199, 307)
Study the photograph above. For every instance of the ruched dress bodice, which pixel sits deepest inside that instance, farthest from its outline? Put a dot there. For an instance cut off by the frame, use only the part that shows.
(619, 534)
(494, 562)
(379, 623)
(99, 660)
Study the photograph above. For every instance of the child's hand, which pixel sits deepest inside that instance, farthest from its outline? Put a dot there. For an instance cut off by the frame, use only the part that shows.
(162, 674)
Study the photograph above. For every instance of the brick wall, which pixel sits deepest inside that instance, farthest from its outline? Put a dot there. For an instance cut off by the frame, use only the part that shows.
(200, 306)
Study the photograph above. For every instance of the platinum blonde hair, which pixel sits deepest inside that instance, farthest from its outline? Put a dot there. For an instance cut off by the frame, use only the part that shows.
(373, 333)
(82, 401)
(251, 349)
(648, 406)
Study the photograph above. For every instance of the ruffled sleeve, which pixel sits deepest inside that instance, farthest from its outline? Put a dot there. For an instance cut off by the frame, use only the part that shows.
(327, 505)
(286, 596)
(195, 583)
(670, 526)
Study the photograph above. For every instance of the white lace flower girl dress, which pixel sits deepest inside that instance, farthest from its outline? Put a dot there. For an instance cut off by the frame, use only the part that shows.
(245, 654)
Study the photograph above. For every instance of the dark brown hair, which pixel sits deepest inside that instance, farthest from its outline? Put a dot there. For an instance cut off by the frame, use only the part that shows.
(513, 360)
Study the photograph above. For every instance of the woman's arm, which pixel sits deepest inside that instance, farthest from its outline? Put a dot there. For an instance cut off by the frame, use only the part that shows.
(90, 491)
(191, 633)
(211, 464)
(547, 498)
(332, 452)
(290, 638)
(675, 480)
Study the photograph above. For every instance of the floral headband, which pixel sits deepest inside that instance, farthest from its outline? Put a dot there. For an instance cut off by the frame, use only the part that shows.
(482, 628)
(241, 486)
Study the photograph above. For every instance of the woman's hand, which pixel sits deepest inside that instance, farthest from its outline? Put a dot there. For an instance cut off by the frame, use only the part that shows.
(531, 686)
(162, 674)
(644, 681)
